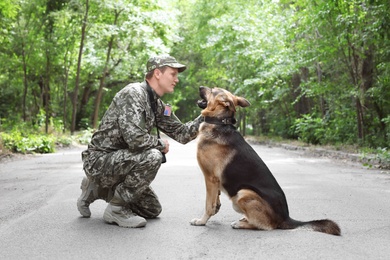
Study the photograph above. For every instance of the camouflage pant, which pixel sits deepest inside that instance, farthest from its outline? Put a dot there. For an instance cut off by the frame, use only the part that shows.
(129, 174)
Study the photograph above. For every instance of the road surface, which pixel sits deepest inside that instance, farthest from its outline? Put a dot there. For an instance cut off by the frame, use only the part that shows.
(39, 217)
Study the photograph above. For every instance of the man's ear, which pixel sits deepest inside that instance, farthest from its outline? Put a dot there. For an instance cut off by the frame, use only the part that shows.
(157, 73)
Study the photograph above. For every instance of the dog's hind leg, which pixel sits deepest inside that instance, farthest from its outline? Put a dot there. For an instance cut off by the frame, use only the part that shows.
(258, 214)
(212, 201)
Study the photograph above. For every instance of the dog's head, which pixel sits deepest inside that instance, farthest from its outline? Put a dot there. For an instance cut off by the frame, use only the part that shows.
(219, 102)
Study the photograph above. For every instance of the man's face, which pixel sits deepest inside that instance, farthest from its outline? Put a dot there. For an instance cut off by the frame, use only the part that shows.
(168, 80)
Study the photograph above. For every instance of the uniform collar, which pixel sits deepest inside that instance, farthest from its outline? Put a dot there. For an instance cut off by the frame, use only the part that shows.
(146, 85)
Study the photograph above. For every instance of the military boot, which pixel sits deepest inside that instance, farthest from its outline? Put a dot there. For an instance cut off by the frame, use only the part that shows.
(91, 192)
(117, 212)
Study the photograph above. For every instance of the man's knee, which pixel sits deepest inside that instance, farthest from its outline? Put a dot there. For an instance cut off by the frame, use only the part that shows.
(125, 162)
(153, 158)
(154, 213)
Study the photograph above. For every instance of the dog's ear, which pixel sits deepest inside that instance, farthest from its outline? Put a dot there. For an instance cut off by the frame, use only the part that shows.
(230, 105)
(242, 102)
(226, 101)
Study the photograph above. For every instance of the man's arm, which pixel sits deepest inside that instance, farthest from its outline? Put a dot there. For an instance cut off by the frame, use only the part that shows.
(174, 128)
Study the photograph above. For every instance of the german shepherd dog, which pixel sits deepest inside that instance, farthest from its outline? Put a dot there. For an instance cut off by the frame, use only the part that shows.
(230, 164)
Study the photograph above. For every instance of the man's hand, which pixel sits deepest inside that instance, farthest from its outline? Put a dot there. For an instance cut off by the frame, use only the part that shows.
(166, 150)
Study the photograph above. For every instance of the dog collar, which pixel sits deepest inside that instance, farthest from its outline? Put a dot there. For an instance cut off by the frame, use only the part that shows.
(220, 121)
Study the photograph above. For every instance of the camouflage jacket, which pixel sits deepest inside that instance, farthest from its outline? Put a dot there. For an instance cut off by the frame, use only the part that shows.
(129, 120)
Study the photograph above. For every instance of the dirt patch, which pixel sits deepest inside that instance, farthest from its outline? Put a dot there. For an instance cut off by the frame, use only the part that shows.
(9, 157)
(347, 153)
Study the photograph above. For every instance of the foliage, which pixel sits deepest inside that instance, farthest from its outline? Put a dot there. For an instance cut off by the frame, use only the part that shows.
(309, 129)
(322, 56)
(318, 71)
(379, 156)
(18, 142)
(63, 140)
(26, 137)
(84, 136)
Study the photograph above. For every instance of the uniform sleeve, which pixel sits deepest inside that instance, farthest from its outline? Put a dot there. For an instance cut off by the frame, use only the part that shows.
(174, 128)
(135, 121)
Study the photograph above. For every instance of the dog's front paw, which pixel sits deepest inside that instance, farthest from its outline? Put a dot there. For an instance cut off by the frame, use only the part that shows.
(197, 222)
(243, 219)
(242, 223)
(236, 224)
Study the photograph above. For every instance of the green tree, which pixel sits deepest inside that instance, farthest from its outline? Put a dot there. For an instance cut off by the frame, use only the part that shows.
(315, 70)
(78, 72)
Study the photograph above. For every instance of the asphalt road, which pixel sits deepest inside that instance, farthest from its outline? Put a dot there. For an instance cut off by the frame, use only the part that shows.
(39, 218)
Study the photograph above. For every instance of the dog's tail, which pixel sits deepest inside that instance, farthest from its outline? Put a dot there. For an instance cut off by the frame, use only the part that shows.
(324, 225)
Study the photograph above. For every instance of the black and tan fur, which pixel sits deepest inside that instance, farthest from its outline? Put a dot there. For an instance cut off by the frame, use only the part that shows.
(230, 164)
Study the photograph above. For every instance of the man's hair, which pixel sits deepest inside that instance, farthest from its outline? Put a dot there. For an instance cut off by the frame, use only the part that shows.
(149, 75)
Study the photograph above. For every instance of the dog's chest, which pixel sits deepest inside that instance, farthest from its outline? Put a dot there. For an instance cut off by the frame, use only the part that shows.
(213, 157)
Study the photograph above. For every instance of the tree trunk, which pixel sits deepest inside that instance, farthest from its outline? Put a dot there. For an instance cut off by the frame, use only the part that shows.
(367, 77)
(66, 76)
(76, 88)
(319, 80)
(82, 112)
(25, 83)
(103, 77)
(301, 103)
(47, 92)
(264, 129)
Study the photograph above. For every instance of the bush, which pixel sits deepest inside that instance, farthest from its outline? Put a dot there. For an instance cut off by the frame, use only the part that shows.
(378, 156)
(341, 128)
(25, 137)
(64, 141)
(32, 143)
(309, 129)
(85, 136)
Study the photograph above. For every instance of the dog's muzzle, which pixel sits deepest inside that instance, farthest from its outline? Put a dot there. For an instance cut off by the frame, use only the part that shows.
(202, 103)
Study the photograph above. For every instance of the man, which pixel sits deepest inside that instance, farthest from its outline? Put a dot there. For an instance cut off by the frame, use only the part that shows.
(123, 157)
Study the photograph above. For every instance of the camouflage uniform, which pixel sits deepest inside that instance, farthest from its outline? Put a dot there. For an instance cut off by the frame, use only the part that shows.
(124, 156)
